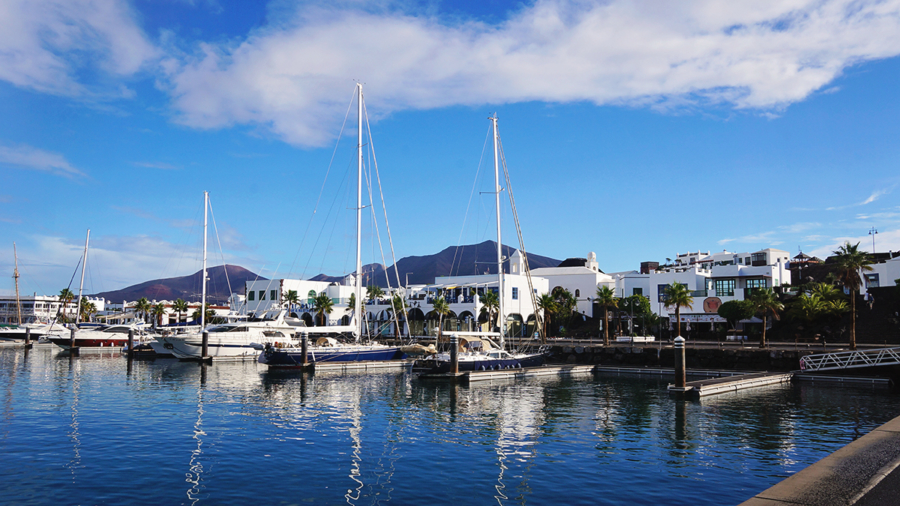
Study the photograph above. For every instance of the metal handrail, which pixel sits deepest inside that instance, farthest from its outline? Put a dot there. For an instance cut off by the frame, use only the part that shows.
(850, 359)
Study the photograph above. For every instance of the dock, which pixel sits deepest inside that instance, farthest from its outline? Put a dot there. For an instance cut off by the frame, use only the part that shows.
(706, 387)
(512, 374)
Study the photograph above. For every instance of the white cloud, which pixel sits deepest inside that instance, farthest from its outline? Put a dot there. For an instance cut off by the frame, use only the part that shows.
(877, 194)
(294, 76)
(765, 237)
(46, 44)
(884, 241)
(28, 157)
(47, 262)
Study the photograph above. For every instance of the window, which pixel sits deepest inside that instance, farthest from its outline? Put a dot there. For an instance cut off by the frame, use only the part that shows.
(758, 259)
(756, 283)
(251, 296)
(637, 291)
(515, 293)
(577, 293)
(871, 280)
(661, 293)
(725, 287)
(262, 295)
(273, 295)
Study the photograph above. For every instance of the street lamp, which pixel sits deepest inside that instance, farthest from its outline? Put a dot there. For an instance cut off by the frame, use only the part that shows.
(873, 232)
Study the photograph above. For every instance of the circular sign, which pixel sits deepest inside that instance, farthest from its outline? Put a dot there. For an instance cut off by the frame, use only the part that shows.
(711, 304)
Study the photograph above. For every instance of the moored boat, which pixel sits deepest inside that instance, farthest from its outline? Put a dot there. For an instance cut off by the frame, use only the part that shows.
(113, 336)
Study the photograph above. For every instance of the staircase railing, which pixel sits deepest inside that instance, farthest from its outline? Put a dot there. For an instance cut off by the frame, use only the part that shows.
(850, 359)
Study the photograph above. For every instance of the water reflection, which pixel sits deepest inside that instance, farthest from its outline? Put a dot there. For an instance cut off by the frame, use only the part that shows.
(195, 466)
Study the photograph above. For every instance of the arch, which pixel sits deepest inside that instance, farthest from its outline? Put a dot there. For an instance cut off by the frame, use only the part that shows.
(345, 320)
(577, 293)
(311, 297)
(530, 326)
(416, 322)
(308, 320)
(467, 321)
(514, 325)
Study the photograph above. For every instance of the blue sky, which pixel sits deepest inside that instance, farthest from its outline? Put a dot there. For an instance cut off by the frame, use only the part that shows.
(633, 129)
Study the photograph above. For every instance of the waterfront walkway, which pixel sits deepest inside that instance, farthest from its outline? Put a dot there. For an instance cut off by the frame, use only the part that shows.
(866, 472)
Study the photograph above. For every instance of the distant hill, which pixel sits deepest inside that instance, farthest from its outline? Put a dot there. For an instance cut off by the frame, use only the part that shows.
(188, 287)
(452, 261)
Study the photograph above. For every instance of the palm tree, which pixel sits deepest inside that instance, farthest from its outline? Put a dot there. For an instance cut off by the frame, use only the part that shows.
(180, 306)
(850, 262)
(351, 303)
(374, 292)
(808, 308)
(87, 309)
(440, 306)
(158, 311)
(678, 296)
(764, 301)
(547, 306)
(65, 297)
(323, 305)
(142, 306)
(209, 314)
(565, 304)
(290, 298)
(606, 297)
(490, 303)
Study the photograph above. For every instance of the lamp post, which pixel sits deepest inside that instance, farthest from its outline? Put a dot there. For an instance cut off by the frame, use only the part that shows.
(873, 232)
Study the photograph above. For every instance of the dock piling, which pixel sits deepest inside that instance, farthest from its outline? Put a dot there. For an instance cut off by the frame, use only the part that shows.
(304, 347)
(205, 346)
(454, 354)
(73, 350)
(27, 337)
(680, 380)
(130, 344)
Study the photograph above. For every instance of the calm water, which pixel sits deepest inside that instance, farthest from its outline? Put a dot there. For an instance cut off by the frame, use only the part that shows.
(86, 431)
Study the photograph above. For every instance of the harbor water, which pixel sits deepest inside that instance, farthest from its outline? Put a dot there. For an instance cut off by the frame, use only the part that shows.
(92, 430)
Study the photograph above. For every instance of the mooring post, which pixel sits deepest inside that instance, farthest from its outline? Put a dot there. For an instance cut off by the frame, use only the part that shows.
(304, 347)
(679, 363)
(130, 344)
(72, 348)
(454, 354)
(27, 337)
(204, 354)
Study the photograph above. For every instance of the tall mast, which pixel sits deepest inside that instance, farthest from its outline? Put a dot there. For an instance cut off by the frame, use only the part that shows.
(81, 285)
(16, 275)
(359, 156)
(203, 289)
(501, 317)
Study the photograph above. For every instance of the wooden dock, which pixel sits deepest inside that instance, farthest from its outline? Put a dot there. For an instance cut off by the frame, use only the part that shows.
(512, 374)
(706, 387)
(368, 366)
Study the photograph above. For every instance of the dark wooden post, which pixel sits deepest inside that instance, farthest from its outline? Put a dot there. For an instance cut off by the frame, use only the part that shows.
(27, 337)
(679, 362)
(454, 354)
(205, 346)
(304, 347)
(72, 339)
(130, 344)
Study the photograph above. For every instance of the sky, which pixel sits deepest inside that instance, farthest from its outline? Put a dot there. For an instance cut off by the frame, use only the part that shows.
(634, 129)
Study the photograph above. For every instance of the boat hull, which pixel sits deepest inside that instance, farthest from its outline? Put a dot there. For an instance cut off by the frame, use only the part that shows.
(432, 366)
(191, 349)
(65, 342)
(293, 357)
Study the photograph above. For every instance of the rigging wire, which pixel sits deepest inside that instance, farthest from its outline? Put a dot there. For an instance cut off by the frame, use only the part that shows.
(219, 242)
(468, 205)
(322, 189)
(386, 224)
(512, 202)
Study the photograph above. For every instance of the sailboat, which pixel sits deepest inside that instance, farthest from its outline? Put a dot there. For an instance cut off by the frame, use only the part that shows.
(18, 333)
(236, 340)
(328, 349)
(477, 350)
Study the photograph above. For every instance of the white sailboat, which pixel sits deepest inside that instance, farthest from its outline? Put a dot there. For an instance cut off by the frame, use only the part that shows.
(234, 341)
(477, 350)
(327, 349)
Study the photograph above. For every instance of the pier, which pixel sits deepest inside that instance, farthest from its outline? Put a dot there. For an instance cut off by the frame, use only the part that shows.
(706, 387)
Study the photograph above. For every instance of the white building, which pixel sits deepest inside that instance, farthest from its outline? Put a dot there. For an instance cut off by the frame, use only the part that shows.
(40, 308)
(883, 273)
(581, 276)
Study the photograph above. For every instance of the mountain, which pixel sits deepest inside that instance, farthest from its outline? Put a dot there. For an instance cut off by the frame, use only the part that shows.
(420, 270)
(461, 261)
(188, 287)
